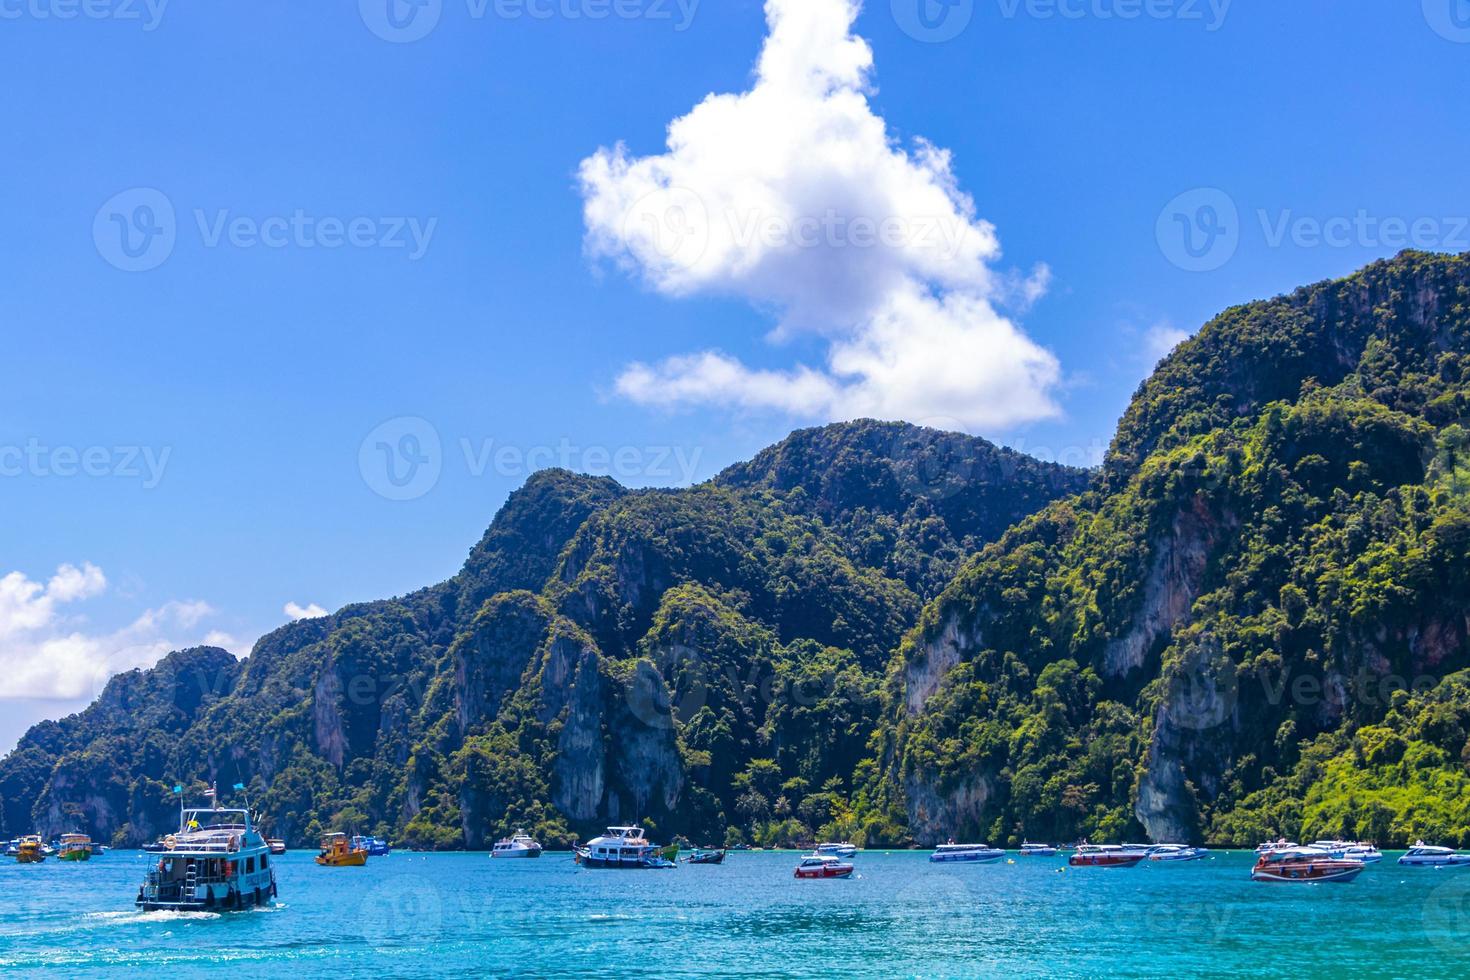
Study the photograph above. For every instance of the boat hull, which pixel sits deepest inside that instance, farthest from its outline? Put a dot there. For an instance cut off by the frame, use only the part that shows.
(235, 901)
(1308, 873)
(1104, 860)
(969, 857)
(75, 856)
(356, 860)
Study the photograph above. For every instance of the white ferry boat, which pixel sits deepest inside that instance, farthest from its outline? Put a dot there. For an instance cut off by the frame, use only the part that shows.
(843, 850)
(625, 848)
(517, 845)
(217, 862)
(1427, 855)
(966, 854)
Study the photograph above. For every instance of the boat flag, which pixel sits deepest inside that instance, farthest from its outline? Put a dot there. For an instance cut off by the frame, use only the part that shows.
(239, 787)
(178, 791)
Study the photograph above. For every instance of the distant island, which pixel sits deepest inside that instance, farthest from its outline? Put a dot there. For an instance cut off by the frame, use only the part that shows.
(1251, 622)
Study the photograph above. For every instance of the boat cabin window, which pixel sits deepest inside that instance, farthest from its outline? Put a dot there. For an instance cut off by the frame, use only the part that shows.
(250, 866)
(265, 862)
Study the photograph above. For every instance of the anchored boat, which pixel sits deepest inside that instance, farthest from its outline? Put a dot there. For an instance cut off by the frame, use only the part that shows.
(1107, 855)
(1427, 855)
(823, 866)
(953, 853)
(338, 852)
(843, 850)
(517, 845)
(702, 856)
(30, 850)
(1304, 865)
(375, 846)
(1177, 852)
(1029, 849)
(217, 862)
(74, 847)
(626, 848)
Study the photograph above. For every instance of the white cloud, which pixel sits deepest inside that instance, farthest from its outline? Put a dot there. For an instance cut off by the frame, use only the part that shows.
(1161, 339)
(47, 653)
(794, 197)
(309, 611)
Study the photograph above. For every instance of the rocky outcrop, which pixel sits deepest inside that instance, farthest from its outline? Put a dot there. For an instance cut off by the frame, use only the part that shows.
(1174, 582)
(927, 667)
(938, 814)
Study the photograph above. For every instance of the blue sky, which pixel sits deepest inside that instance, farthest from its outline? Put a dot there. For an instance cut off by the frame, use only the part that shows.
(204, 432)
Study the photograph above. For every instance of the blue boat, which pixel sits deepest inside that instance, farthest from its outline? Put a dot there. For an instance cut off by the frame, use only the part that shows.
(375, 846)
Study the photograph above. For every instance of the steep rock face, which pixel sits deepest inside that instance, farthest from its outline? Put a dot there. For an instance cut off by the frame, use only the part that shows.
(490, 660)
(937, 815)
(572, 696)
(643, 755)
(1174, 581)
(925, 671)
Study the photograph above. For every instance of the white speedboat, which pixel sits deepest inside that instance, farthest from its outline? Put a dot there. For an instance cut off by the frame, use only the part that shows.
(517, 845)
(217, 862)
(966, 854)
(1350, 850)
(843, 850)
(1038, 850)
(1177, 852)
(1427, 855)
(1277, 845)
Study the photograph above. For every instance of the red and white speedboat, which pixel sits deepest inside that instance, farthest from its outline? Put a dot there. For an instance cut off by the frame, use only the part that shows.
(823, 866)
(1304, 865)
(1107, 855)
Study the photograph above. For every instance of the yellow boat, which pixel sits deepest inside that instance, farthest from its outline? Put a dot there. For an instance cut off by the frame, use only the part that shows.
(30, 851)
(75, 847)
(338, 852)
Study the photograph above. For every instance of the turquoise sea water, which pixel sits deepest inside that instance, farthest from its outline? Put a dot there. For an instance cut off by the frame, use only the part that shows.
(412, 915)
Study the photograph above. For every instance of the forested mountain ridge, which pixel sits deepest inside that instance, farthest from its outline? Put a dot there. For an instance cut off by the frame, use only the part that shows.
(1253, 621)
(1255, 625)
(603, 655)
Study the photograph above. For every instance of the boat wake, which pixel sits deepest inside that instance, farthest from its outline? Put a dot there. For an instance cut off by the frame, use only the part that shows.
(132, 917)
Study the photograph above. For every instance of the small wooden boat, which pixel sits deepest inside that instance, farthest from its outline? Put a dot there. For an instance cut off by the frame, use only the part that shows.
(75, 847)
(30, 851)
(701, 856)
(1305, 865)
(338, 852)
(823, 866)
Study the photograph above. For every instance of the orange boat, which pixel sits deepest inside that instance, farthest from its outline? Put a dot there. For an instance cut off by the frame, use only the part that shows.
(338, 852)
